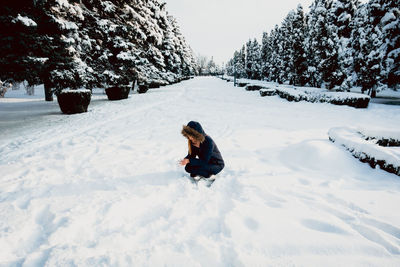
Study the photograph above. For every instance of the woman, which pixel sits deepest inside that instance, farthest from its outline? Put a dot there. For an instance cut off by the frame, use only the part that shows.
(204, 158)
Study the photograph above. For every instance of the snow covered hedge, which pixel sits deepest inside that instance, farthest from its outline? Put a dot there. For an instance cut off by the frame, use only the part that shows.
(382, 138)
(254, 87)
(336, 98)
(368, 148)
(267, 92)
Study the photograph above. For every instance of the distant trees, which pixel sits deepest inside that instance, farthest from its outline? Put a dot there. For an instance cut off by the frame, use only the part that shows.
(72, 44)
(338, 44)
(208, 66)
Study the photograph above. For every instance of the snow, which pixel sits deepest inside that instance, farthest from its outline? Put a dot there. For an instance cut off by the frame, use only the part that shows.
(103, 188)
(25, 20)
(380, 133)
(76, 91)
(361, 148)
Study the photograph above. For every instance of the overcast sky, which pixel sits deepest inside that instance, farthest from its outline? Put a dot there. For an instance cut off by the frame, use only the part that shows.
(219, 27)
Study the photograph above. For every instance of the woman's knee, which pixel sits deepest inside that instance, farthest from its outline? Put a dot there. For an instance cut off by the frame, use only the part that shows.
(189, 168)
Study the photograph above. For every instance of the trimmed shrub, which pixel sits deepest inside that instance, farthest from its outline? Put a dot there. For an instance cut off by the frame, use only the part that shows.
(336, 98)
(241, 84)
(142, 88)
(366, 150)
(267, 92)
(253, 87)
(118, 92)
(74, 101)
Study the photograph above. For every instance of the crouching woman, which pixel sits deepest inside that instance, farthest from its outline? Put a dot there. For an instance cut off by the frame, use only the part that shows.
(204, 158)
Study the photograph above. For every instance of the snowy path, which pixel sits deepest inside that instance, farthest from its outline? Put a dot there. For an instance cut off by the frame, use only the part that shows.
(104, 187)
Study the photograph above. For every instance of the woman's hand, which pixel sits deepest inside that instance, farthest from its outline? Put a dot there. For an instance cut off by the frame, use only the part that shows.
(184, 162)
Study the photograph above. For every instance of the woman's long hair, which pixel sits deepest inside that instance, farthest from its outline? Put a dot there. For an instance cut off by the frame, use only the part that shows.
(190, 147)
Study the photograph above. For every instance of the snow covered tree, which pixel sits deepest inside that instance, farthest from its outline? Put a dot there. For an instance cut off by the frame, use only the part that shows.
(286, 52)
(299, 72)
(390, 24)
(265, 56)
(343, 12)
(367, 46)
(253, 60)
(322, 47)
(87, 43)
(239, 59)
(275, 60)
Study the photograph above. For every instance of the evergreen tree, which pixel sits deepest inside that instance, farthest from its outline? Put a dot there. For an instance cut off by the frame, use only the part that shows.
(252, 59)
(343, 12)
(275, 61)
(367, 45)
(240, 63)
(87, 43)
(299, 72)
(390, 24)
(265, 55)
(323, 46)
(286, 70)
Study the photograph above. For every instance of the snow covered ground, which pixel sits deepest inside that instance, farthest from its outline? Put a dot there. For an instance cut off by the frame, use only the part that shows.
(104, 188)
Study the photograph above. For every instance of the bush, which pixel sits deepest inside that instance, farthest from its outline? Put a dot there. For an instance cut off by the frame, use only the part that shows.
(267, 92)
(336, 98)
(253, 87)
(142, 88)
(365, 149)
(74, 101)
(118, 92)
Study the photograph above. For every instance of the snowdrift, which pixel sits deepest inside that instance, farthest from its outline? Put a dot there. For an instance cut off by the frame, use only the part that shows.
(369, 149)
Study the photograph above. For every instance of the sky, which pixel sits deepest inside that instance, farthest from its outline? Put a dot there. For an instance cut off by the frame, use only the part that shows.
(216, 28)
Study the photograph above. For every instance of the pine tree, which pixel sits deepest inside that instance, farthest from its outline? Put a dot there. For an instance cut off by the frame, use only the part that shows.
(253, 59)
(343, 12)
(264, 56)
(286, 52)
(390, 24)
(367, 45)
(298, 42)
(275, 61)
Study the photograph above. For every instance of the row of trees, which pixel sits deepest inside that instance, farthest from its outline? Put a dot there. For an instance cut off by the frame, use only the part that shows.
(208, 66)
(91, 43)
(338, 44)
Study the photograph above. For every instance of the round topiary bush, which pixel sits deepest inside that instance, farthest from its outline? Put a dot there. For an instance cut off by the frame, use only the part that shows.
(74, 101)
(142, 88)
(118, 92)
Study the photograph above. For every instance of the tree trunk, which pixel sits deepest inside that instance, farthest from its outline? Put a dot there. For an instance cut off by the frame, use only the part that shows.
(373, 93)
(48, 93)
(133, 84)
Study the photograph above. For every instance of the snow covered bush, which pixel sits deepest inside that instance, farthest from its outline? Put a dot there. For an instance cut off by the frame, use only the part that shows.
(292, 94)
(253, 87)
(336, 98)
(267, 92)
(367, 149)
(74, 101)
(381, 137)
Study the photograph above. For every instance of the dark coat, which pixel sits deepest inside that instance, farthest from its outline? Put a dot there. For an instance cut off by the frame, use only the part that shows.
(208, 152)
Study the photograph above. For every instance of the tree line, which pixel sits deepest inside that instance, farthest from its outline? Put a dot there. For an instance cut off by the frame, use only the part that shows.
(336, 45)
(91, 43)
